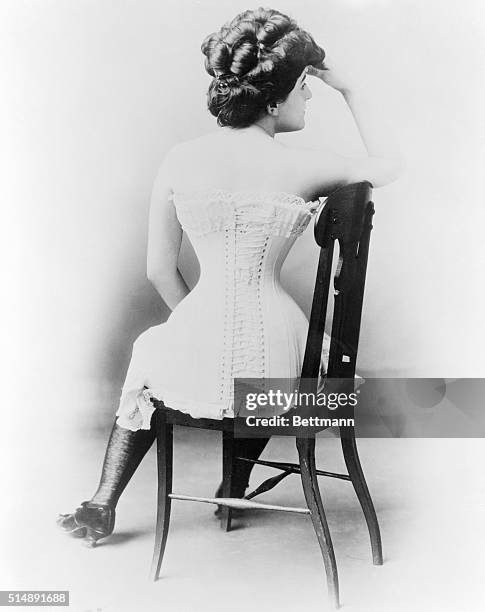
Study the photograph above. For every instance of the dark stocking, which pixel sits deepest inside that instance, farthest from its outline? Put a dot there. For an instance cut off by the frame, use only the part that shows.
(251, 448)
(123, 455)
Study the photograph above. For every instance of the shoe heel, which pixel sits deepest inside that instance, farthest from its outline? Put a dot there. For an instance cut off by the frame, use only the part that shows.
(91, 538)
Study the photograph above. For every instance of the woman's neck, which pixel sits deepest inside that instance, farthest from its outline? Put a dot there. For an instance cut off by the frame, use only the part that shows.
(264, 126)
(260, 129)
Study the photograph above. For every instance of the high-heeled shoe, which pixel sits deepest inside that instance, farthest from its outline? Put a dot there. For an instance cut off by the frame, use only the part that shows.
(90, 521)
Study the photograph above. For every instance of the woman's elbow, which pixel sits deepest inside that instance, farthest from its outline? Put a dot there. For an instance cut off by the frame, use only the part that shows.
(390, 171)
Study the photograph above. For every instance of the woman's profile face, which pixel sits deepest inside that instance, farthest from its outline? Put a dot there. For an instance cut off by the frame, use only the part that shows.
(291, 112)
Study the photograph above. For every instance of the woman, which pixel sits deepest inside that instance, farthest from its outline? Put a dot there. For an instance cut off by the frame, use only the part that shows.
(243, 198)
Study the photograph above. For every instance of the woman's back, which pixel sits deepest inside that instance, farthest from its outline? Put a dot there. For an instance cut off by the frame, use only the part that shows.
(239, 160)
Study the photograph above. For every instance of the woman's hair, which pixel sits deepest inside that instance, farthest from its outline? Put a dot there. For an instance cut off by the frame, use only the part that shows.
(255, 60)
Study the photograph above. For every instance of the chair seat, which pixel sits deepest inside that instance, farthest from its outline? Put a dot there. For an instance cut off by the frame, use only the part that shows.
(175, 417)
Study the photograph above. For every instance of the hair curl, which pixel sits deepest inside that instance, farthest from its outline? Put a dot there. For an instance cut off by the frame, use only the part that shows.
(255, 60)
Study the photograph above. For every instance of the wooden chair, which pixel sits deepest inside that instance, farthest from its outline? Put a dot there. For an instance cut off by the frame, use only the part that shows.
(347, 218)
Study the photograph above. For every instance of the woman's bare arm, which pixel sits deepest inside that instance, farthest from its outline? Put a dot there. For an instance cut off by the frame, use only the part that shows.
(164, 239)
(384, 163)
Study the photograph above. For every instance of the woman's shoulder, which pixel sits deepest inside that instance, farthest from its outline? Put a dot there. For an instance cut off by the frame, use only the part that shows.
(190, 161)
(196, 144)
(221, 141)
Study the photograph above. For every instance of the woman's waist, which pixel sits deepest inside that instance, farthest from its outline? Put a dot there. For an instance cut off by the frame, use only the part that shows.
(240, 281)
(262, 298)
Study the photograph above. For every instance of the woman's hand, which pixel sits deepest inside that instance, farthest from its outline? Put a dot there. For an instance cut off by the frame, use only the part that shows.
(332, 77)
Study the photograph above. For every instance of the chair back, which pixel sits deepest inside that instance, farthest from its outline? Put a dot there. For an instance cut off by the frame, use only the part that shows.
(346, 218)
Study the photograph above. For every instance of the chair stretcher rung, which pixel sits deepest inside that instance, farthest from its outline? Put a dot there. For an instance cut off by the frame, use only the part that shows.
(244, 504)
(294, 468)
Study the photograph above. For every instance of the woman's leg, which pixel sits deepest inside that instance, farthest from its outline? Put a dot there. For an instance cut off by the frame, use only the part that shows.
(123, 455)
(250, 448)
(95, 518)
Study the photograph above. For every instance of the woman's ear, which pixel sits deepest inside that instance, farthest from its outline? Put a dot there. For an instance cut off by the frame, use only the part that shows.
(272, 109)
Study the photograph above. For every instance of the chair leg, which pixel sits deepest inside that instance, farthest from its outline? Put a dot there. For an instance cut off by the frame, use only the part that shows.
(227, 476)
(164, 462)
(351, 456)
(306, 452)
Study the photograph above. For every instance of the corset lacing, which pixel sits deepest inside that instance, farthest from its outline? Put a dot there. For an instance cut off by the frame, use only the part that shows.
(245, 251)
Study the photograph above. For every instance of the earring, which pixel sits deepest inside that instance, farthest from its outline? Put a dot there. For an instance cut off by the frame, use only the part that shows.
(273, 109)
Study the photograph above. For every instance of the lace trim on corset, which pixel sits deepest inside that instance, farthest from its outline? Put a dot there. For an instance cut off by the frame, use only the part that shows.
(212, 210)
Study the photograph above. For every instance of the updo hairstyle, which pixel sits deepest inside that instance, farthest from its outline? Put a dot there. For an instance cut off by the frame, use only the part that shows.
(255, 60)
